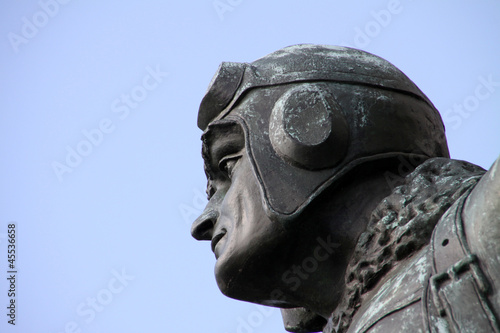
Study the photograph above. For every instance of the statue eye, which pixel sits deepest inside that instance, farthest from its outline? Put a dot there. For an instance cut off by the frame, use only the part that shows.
(227, 164)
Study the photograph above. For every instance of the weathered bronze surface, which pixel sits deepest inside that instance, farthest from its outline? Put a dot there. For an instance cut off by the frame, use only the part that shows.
(332, 196)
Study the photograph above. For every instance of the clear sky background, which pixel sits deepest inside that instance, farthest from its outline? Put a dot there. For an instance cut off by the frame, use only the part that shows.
(103, 189)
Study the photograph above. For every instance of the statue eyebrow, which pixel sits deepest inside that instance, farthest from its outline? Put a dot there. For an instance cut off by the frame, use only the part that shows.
(230, 137)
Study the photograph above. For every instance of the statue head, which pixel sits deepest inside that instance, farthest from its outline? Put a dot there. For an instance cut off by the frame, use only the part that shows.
(287, 143)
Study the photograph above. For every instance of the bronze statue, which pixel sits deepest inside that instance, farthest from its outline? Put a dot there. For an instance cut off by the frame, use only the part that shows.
(332, 196)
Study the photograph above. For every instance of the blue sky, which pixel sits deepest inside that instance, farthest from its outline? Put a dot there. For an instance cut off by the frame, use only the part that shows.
(102, 171)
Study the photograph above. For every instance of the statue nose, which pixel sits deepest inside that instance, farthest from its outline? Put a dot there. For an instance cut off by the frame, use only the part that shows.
(203, 226)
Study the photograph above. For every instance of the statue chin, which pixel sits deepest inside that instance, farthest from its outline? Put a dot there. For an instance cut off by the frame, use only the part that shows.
(249, 284)
(235, 282)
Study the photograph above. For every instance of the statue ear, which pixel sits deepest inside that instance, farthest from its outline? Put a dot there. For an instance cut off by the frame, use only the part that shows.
(308, 128)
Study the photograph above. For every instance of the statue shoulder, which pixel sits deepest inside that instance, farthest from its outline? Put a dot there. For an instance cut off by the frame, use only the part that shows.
(481, 218)
(481, 215)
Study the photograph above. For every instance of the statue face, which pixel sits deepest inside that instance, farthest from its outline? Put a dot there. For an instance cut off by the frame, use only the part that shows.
(260, 257)
(248, 246)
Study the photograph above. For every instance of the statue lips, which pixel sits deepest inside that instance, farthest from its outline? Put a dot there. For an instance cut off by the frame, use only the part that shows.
(216, 240)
